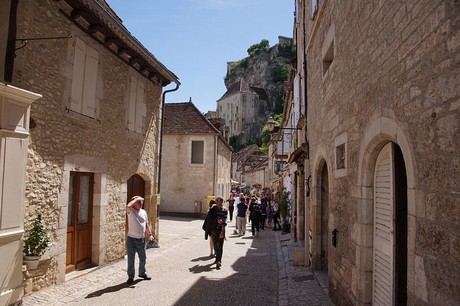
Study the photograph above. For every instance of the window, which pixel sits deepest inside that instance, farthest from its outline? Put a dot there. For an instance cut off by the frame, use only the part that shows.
(136, 107)
(340, 153)
(314, 8)
(340, 156)
(328, 49)
(197, 152)
(84, 79)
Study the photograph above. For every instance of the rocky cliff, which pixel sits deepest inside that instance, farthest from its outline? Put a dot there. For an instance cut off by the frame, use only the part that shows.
(268, 69)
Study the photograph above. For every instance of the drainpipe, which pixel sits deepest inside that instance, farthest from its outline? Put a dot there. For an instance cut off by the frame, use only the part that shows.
(163, 99)
(215, 167)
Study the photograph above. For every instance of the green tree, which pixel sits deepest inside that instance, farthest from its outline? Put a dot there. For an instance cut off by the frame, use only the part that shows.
(255, 49)
(279, 105)
(266, 134)
(265, 139)
(281, 73)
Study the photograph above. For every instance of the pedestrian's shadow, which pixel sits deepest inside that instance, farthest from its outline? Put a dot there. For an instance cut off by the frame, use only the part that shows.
(200, 269)
(111, 289)
(202, 258)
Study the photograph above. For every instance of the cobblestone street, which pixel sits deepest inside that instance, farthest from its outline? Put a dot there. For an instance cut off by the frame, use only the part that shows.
(255, 271)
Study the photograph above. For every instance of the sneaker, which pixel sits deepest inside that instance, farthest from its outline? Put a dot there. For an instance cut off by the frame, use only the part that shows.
(218, 265)
(145, 277)
(130, 281)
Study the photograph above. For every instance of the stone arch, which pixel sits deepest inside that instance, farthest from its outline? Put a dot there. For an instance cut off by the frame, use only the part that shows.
(320, 162)
(381, 131)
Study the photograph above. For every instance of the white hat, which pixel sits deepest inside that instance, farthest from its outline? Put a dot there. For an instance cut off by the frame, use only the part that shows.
(135, 199)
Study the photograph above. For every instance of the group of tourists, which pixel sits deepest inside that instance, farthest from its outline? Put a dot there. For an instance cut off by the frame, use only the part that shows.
(260, 211)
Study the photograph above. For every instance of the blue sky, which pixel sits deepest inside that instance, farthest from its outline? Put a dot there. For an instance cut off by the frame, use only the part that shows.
(196, 38)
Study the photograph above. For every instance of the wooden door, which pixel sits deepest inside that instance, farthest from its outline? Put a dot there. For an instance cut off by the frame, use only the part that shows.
(136, 187)
(325, 237)
(79, 220)
(383, 260)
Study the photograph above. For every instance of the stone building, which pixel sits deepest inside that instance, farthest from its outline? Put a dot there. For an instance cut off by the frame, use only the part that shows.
(94, 133)
(382, 167)
(196, 160)
(245, 160)
(243, 107)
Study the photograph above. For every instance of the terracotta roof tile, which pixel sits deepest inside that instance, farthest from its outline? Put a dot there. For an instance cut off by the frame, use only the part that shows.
(185, 118)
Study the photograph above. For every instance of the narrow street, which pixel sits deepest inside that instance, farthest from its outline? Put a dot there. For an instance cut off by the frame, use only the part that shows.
(255, 271)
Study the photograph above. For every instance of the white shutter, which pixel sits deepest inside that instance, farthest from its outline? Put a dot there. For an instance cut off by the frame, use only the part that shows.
(76, 95)
(89, 93)
(140, 108)
(383, 260)
(132, 103)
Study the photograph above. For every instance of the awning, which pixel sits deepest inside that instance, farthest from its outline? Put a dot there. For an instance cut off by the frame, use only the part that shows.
(295, 155)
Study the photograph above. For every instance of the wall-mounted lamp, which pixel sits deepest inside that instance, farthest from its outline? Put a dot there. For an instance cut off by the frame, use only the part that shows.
(271, 126)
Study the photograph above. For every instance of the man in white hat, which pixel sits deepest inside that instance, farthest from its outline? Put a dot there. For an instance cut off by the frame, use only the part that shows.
(138, 223)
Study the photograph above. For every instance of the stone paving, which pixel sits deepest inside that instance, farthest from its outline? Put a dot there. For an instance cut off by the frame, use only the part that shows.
(105, 285)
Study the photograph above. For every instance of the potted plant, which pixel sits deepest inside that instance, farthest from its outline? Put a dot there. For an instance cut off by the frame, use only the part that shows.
(36, 243)
(284, 202)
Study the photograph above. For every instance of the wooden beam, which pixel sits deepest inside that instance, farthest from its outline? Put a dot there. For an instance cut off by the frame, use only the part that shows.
(76, 14)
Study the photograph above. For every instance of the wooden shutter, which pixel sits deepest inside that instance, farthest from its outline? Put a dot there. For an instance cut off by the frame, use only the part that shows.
(132, 103)
(140, 108)
(89, 93)
(383, 259)
(76, 95)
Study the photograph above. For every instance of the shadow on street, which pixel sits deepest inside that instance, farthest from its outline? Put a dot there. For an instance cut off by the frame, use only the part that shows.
(112, 289)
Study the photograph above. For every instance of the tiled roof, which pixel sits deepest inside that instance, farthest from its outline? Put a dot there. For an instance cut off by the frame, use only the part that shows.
(185, 118)
(245, 153)
(242, 87)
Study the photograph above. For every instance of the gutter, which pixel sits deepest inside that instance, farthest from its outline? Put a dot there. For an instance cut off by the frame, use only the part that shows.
(215, 166)
(163, 99)
(100, 9)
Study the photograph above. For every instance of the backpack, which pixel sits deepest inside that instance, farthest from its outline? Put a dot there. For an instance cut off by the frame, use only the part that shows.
(256, 208)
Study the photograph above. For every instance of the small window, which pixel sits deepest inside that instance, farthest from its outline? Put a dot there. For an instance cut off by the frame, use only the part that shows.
(328, 49)
(314, 8)
(340, 156)
(197, 152)
(328, 58)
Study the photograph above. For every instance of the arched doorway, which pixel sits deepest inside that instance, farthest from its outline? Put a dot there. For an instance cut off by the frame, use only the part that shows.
(390, 228)
(324, 220)
(136, 186)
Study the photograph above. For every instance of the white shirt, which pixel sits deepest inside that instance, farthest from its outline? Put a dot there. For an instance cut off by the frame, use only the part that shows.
(137, 221)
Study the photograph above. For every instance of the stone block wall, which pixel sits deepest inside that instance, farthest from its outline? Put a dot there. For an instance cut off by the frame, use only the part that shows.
(183, 183)
(62, 141)
(394, 74)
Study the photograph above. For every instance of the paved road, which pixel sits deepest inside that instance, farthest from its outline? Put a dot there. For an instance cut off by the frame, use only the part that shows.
(255, 271)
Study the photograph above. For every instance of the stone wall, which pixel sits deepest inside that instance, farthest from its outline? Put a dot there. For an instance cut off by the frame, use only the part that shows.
(395, 76)
(62, 141)
(183, 184)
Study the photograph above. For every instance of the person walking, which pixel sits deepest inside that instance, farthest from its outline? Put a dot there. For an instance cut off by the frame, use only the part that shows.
(138, 225)
(208, 233)
(241, 216)
(276, 216)
(255, 216)
(263, 212)
(216, 221)
(231, 207)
